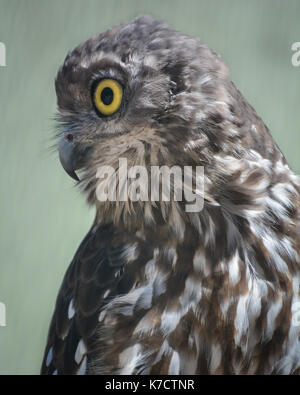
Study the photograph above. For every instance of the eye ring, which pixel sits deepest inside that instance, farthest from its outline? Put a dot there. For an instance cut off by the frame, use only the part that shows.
(107, 96)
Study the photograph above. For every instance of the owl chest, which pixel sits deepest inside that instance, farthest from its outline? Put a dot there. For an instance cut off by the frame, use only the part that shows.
(165, 308)
(180, 321)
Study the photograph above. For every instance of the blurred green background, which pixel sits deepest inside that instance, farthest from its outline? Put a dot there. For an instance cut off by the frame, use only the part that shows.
(43, 217)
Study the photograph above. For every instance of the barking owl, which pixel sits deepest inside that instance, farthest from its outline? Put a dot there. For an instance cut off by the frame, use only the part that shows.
(155, 288)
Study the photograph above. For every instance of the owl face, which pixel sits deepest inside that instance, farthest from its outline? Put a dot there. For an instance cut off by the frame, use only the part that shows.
(108, 87)
(141, 80)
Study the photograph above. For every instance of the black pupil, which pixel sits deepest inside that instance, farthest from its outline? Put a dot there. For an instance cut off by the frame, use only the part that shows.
(107, 96)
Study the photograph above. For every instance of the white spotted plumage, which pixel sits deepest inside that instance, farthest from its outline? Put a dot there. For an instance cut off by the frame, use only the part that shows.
(153, 288)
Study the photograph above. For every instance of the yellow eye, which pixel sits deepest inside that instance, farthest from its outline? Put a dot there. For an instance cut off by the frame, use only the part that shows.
(108, 96)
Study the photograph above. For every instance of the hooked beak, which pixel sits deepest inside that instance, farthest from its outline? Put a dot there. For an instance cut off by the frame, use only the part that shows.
(66, 154)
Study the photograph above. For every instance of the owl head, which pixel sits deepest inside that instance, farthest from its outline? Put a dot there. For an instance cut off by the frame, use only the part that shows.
(154, 96)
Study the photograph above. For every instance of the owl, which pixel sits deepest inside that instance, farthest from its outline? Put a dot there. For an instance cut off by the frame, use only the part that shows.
(155, 288)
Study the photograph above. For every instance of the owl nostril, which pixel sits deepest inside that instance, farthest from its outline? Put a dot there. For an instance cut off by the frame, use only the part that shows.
(69, 137)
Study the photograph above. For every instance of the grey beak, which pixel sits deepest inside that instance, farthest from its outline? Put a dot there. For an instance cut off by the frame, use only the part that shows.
(66, 155)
